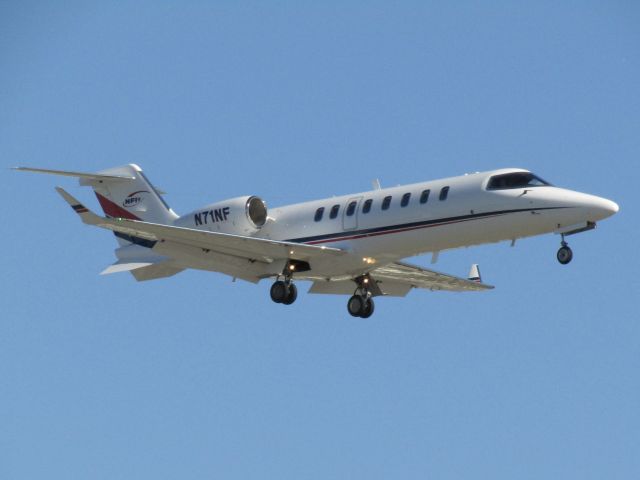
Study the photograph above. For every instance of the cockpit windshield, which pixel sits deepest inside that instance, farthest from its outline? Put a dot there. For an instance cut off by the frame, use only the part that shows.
(515, 180)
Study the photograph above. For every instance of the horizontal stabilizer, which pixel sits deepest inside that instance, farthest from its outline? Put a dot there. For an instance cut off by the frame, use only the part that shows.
(155, 271)
(143, 270)
(124, 267)
(87, 176)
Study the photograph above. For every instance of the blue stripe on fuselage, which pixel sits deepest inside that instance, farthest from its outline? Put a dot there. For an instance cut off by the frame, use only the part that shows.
(350, 234)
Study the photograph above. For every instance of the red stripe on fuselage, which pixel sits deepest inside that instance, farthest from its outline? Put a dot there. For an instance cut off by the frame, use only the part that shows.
(113, 210)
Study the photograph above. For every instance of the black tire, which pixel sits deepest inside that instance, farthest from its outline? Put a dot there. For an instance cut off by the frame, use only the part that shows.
(355, 305)
(278, 291)
(369, 308)
(292, 294)
(565, 255)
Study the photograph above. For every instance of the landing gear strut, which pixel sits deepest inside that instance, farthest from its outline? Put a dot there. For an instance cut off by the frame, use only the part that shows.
(284, 291)
(565, 254)
(361, 303)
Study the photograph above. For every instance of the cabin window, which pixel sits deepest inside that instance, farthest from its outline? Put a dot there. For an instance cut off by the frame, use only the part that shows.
(405, 200)
(444, 193)
(351, 208)
(366, 207)
(424, 196)
(319, 213)
(334, 211)
(515, 180)
(386, 202)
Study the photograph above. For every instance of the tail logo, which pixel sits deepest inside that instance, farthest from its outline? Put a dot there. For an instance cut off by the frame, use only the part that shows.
(134, 198)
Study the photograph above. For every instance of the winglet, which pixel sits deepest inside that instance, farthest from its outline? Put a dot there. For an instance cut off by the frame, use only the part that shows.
(474, 274)
(86, 215)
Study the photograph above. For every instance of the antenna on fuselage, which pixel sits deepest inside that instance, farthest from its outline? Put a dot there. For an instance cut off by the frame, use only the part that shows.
(375, 183)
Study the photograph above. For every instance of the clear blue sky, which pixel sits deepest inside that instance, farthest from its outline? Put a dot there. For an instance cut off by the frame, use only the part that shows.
(197, 377)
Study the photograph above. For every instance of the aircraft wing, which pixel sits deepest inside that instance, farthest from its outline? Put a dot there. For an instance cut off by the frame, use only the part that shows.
(255, 249)
(419, 277)
(397, 279)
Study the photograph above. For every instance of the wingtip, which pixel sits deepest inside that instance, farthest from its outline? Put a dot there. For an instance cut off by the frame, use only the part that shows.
(66, 195)
(75, 204)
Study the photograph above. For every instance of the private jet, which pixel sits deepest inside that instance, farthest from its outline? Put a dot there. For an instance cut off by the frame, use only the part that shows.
(351, 245)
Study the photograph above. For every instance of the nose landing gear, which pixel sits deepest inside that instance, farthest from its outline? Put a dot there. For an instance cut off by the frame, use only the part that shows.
(565, 254)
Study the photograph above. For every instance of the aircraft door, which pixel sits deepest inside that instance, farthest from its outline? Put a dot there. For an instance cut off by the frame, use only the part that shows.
(350, 213)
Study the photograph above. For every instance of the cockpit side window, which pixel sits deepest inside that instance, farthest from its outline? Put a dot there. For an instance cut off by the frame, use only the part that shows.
(515, 180)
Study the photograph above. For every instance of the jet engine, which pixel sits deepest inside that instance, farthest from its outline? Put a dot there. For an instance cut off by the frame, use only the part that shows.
(238, 216)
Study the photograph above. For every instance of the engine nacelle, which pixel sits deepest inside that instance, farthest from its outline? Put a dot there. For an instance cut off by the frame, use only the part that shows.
(239, 216)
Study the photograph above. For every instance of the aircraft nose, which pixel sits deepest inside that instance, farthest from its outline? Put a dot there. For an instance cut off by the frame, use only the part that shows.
(603, 208)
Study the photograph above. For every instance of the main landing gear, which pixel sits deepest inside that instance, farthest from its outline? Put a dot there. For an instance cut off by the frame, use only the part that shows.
(284, 291)
(361, 303)
(565, 254)
(360, 306)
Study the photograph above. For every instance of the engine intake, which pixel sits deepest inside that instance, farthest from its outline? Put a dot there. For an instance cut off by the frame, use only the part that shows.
(256, 211)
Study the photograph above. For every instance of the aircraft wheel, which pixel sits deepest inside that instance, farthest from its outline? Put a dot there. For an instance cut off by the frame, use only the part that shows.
(369, 307)
(292, 294)
(565, 255)
(279, 291)
(355, 305)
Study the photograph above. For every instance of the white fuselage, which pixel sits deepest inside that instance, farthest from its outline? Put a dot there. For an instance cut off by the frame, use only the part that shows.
(470, 214)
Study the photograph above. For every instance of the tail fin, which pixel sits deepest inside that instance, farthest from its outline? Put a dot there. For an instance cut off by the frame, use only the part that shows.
(133, 197)
(122, 192)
